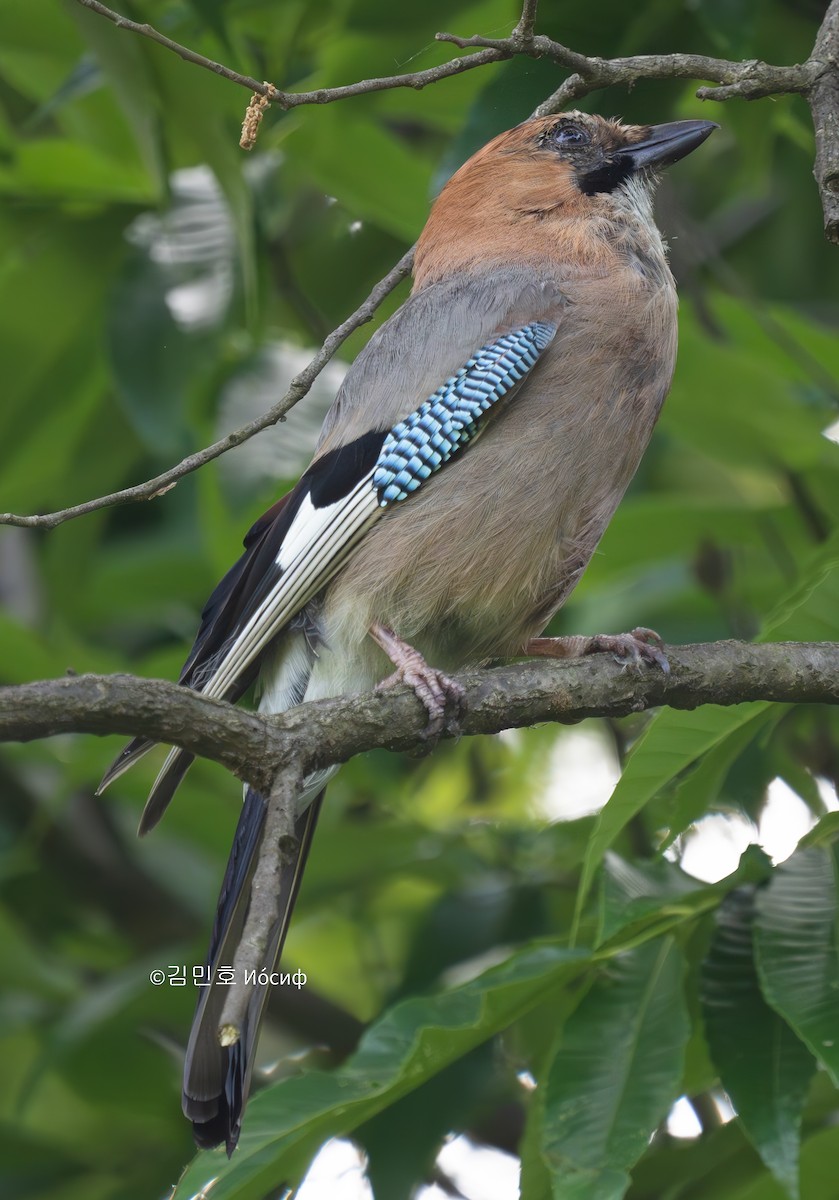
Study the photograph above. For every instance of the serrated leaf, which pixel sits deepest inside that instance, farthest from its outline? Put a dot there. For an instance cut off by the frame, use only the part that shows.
(616, 1073)
(762, 1065)
(796, 950)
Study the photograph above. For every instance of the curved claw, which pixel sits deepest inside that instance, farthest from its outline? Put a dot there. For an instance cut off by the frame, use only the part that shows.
(640, 647)
(441, 696)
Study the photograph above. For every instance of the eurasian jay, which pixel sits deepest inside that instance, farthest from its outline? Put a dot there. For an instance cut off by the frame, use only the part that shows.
(462, 480)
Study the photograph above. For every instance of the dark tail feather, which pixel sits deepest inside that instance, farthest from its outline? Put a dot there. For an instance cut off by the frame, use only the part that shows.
(174, 768)
(126, 758)
(217, 1079)
(165, 786)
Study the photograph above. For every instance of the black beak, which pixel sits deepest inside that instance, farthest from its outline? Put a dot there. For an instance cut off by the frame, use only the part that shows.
(668, 143)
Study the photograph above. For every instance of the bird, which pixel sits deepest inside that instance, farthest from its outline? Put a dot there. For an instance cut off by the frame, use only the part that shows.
(469, 465)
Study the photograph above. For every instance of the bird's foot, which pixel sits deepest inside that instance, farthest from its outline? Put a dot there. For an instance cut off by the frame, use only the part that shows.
(641, 647)
(441, 696)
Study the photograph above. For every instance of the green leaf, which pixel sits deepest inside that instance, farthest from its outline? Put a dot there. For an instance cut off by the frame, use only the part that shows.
(407, 1046)
(763, 1066)
(729, 24)
(616, 1073)
(796, 948)
(669, 745)
(369, 170)
(59, 442)
(55, 167)
(810, 611)
(704, 1168)
(42, 264)
(773, 421)
(35, 56)
(128, 69)
(818, 1174)
(24, 653)
(638, 895)
(171, 301)
(698, 790)
(826, 831)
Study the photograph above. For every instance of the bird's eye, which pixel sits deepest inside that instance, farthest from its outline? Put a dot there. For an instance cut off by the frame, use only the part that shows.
(571, 135)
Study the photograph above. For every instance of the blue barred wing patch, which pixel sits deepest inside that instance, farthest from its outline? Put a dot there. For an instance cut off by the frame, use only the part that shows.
(418, 446)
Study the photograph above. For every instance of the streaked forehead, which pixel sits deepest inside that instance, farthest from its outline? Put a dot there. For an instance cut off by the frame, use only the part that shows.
(610, 133)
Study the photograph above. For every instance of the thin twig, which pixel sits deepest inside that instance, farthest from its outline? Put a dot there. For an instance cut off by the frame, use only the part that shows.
(183, 52)
(413, 79)
(298, 388)
(288, 100)
(751, 79)
(817, 79)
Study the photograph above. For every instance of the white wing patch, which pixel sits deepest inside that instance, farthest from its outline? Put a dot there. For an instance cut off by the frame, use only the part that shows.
(318, 550)
(306, 522)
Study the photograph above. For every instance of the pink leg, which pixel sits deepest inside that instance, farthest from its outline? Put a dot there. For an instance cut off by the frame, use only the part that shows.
(435, 690)
(641, 646)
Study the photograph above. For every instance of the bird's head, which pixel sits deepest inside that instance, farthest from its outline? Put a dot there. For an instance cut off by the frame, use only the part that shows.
(548, 176)
(596, 157)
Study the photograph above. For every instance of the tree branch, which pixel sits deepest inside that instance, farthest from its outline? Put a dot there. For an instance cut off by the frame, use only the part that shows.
(823, 99)
(298, 388)
(817, 79)
(751, 79)
(275, 753)
(184, 52)
(315, 735)
(523, 32)
(289, 100)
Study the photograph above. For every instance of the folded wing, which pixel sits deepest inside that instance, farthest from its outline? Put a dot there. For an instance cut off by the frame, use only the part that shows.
(294, 550)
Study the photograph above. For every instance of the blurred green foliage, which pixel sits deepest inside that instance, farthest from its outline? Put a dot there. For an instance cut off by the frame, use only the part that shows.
(157, 287)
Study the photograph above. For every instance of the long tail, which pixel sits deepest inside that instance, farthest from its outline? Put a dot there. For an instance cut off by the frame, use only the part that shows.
(217, 1079)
